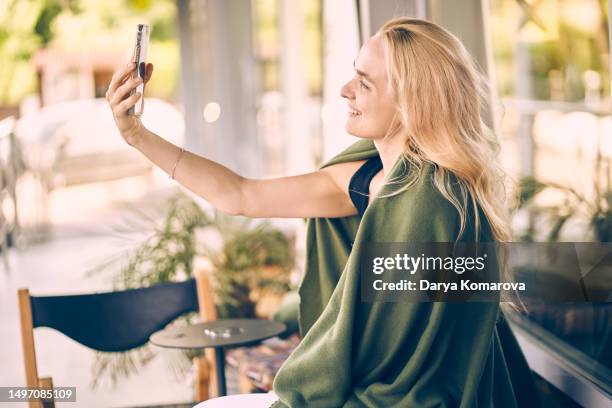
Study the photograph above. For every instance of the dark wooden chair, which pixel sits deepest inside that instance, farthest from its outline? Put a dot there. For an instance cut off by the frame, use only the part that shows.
(117, 321)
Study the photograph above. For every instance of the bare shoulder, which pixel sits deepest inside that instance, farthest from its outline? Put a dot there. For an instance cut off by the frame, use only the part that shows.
(341, 173)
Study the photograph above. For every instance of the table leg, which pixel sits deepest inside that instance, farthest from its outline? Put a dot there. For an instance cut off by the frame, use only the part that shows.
(220, 360)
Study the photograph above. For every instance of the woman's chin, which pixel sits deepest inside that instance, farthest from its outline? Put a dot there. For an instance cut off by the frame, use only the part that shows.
(350, 129)
(355, 132)
(352, 133)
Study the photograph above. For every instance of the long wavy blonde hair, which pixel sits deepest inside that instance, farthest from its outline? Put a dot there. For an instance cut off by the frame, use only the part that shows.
(440, 99)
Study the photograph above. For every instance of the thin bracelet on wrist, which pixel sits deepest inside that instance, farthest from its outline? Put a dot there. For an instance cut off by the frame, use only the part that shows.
(176, 163)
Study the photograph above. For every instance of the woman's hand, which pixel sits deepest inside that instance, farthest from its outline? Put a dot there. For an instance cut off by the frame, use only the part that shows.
(120, 101)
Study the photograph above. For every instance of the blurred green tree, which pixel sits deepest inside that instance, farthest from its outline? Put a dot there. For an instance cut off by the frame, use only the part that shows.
(25, 27)
(28, 26)
(562, 40)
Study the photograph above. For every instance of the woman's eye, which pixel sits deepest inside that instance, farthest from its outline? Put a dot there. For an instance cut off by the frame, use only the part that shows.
(363, 85)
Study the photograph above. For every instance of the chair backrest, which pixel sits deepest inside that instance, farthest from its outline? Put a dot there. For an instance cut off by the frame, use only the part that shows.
(115, 321)
(111, 321)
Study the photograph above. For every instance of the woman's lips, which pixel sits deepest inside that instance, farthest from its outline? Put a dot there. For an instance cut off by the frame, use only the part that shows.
(352, 112)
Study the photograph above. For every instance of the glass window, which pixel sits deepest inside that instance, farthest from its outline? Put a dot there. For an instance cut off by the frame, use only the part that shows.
(552, 74)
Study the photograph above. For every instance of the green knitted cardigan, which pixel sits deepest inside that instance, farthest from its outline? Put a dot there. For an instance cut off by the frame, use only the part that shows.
(395, 354)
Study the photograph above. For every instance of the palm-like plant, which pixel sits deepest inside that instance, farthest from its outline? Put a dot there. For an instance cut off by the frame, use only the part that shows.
(598, 209)
(251, 258)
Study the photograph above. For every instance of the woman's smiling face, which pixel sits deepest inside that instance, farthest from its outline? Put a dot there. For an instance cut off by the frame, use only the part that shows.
(371, 103)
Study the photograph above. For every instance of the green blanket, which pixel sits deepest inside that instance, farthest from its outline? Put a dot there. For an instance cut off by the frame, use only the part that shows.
(394, 354)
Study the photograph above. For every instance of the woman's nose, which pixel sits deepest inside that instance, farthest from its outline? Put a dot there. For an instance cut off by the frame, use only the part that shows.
(346, 91)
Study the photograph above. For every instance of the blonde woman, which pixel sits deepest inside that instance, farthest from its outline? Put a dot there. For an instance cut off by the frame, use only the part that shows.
(425, 171)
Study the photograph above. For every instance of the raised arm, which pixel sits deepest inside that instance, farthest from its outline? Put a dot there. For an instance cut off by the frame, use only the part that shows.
(323, 193)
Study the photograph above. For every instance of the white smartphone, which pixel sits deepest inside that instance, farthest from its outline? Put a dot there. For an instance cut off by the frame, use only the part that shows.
(140, 58)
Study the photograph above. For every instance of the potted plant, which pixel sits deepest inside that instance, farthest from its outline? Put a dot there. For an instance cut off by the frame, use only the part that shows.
(251, 261)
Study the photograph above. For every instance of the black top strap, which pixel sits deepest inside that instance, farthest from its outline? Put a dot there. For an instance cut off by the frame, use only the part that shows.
(359, 186)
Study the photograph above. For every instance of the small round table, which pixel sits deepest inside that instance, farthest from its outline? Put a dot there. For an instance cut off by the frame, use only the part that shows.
(217, 334)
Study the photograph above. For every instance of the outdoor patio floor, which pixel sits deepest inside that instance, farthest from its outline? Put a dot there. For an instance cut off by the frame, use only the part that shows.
(59, 266)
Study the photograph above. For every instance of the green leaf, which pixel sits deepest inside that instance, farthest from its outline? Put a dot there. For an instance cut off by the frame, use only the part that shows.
(528, 188)
(555, 231)
(602, 224)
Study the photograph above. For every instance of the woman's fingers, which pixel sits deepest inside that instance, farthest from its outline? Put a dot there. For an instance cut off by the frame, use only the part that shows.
(118, 78)
(121, 85)
(124, 89)
(126, 104)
